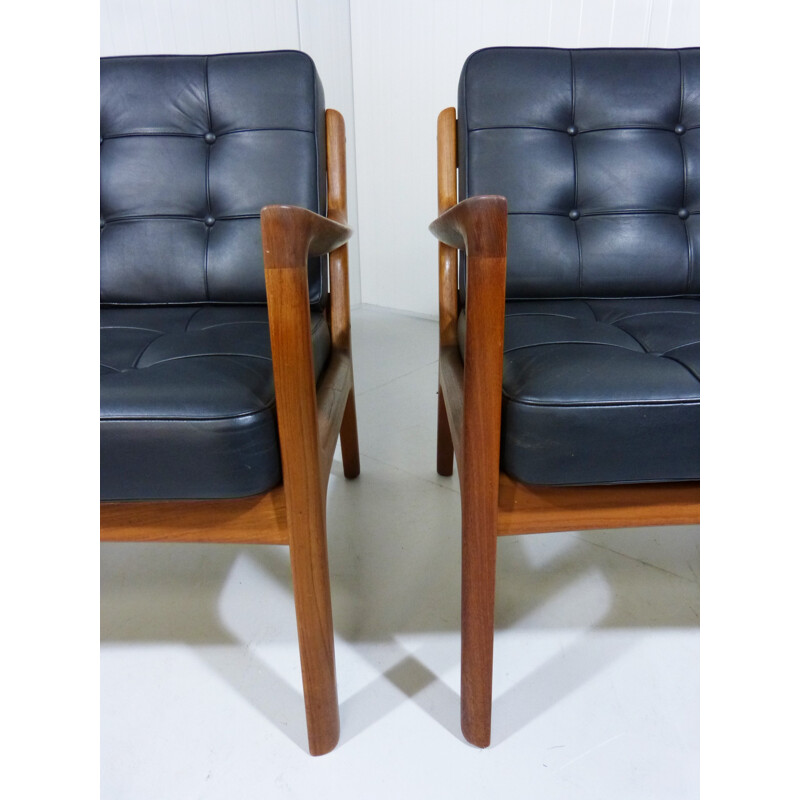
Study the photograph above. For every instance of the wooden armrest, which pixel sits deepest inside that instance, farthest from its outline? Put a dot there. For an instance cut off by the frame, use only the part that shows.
(477, 225)
(291, 234)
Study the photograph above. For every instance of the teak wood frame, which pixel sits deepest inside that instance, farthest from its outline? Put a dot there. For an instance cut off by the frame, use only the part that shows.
(310, 419)
(470, 399)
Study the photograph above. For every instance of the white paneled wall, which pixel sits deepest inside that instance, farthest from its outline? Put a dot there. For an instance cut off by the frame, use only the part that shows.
(319, 27)
(390, 66)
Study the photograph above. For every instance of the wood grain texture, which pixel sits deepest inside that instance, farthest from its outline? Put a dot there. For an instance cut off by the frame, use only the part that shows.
(291, 234)
(483, 377)
(448, 255)
(287, 235)
(448, 276)
(248, 520)
(541, 509)
(479, 226)
(332, 395)
(340, 286)
(451, 386)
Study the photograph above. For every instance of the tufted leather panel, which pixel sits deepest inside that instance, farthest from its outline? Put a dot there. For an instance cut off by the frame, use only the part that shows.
(601, 391)
(191, 149)
(597, 152)
(187, 401)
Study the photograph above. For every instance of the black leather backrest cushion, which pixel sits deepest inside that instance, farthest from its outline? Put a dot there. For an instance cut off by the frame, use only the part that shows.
(598, 153)
(191, 149)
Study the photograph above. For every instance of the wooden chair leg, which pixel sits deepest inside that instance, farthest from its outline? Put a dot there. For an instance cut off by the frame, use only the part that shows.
(479, 555)
(444, 440)
(348, 435)
(312, 597)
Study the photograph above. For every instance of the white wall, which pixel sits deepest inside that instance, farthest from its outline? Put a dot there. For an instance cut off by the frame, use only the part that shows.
(390, 66)
(319, 27)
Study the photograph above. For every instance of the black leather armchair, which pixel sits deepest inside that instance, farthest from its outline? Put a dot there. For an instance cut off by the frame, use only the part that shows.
(569, 332)
(222, 185)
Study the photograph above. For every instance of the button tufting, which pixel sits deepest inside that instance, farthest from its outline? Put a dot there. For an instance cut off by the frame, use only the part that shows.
(102, 222)
(572, 130)
(679, 129)
(210, 138)
(574, 214)
(683, 213)
(209, 220)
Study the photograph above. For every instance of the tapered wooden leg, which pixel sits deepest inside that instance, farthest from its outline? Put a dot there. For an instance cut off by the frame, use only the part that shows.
(296, 405)
(312, 597)
(444, 440)
(479, 555)
(348, 435)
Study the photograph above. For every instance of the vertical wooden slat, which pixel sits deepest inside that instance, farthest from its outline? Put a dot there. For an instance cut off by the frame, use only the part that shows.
(339, 274)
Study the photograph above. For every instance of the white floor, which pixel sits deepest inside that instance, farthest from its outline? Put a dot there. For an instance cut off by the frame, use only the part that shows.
(596, 649)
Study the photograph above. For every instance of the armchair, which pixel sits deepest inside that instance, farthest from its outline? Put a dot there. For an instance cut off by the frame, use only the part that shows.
(569, 331)
(222, 185)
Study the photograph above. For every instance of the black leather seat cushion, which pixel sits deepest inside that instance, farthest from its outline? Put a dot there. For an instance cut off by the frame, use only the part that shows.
(187, 401)
(601, 391)
(598, 154)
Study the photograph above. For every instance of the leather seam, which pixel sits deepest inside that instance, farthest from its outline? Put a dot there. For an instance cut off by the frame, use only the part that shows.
(610, 404)
(575, 175)
(206, 355)
(594, 313)
(129, 328)
(186, 135)
(667, 212)
(540, 314)
(649, 313)
(189, 320)
(267, 407)
(186, 217)
(678, 347)
(689, 252)
(642, 127)
(635, 339)
(208, 188)
(592, 344)
(135, 362)
(675, 361)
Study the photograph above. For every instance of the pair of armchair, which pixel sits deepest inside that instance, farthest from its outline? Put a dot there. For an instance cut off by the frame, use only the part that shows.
(568, 323)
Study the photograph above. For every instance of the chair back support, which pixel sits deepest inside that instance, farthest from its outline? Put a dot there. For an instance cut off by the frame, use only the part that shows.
(191, 149)
(597, 152)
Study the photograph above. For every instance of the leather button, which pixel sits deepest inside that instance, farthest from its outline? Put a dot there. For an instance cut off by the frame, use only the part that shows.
(210, 138)
(683, 213)
(572, 130)
(102, 222)
(680, 130)
(574, 214)
(209, 221)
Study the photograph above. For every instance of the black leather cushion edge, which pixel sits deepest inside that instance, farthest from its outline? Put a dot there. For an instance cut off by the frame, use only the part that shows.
(188, 402)
(600, 391)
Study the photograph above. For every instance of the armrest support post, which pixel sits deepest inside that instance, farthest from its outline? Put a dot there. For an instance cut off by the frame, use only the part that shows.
(289, 236)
